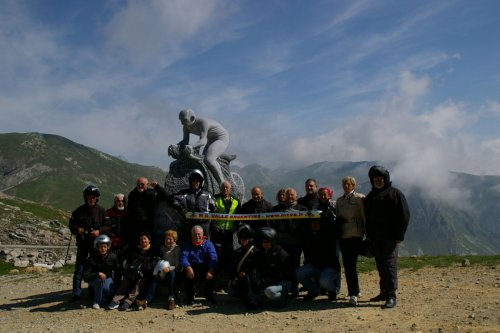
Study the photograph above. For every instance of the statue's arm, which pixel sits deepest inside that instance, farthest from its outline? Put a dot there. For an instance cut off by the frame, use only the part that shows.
(185, 138)
(203, 127)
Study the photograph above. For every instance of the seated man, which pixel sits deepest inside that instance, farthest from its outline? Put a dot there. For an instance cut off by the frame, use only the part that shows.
(198, 260)
(321, 267)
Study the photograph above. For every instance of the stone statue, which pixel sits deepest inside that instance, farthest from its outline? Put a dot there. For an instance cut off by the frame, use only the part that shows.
(213, 140)
(206, 154)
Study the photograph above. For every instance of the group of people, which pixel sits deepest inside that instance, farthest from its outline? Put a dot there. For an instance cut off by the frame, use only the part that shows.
(276, 254)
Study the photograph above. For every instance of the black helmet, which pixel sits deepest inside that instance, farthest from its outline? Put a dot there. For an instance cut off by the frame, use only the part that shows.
(196, 174)
(245, 231)
(267, 233)
(91, 189)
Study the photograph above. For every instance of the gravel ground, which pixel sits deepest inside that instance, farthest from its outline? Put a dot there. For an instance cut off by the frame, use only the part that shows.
(453, 299)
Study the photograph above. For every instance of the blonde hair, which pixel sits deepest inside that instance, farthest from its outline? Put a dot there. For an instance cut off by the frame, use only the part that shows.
(171, 233)
(349, 179)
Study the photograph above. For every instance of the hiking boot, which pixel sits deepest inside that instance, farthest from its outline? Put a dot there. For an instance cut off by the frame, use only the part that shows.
(171, 304)
(353, 300)
(390, 303)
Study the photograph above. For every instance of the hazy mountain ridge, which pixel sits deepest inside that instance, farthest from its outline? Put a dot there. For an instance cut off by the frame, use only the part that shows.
(52, 170)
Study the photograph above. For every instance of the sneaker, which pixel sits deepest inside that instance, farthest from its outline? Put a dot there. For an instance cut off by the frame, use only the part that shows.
(112, 306)
(353, 300)
(95, 306)
(74, 298)
(125, 306)
(171, 304)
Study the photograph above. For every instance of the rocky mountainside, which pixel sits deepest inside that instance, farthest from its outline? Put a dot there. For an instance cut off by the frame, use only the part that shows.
(53, 170)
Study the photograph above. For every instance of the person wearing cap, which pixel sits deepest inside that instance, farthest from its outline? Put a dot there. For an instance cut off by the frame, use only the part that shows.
(87, 222)
(239, 285)
(270, 271)
(101, 269)
(194, 199)
(387, 217)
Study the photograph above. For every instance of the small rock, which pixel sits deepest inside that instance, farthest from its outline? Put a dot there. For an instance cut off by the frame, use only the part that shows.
(465, 262)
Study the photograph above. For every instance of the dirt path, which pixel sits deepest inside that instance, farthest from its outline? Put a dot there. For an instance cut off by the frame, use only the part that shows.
(454, 299)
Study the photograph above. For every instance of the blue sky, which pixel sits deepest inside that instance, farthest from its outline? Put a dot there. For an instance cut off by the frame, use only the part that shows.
(294, 82)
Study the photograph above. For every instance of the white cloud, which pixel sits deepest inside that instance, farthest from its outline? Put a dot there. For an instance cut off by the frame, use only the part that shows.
(425, 146)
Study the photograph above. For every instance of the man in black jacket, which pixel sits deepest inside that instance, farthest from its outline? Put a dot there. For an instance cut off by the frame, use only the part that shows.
(87, 222)
(387, 217)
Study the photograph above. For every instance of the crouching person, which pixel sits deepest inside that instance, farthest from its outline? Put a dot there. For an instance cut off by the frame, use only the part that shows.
(166, 269)
(198, 260)
(140, 262)
(100, 270)
(271, 273)
(239, 285)
(321, 269)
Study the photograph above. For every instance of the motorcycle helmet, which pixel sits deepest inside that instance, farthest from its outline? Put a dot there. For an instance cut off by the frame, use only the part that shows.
(102, 239)
(158, 270)
(267, 233)
(196, 174)
(92, 190)
(245, 231)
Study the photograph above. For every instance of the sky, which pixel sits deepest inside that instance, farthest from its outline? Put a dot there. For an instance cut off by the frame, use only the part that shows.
(294, 82)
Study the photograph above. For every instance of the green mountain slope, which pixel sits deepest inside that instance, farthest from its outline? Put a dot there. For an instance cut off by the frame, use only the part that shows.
(53, 170)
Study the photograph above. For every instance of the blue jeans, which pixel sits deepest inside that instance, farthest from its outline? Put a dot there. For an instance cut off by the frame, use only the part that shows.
(313, 278)
(170, 282)
(82, 253)
(102, 289)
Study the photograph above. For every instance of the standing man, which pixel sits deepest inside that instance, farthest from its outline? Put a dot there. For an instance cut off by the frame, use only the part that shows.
(141, 204)
(195, 199)
(257, 205)
(311, 199)
(86, 223)
(387, 217)
(222, 230)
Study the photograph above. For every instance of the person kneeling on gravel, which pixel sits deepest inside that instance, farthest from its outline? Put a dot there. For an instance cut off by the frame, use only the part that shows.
(100, 271)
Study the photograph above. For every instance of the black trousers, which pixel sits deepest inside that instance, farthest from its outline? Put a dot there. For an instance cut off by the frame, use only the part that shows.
(349, 247)
(386, 258)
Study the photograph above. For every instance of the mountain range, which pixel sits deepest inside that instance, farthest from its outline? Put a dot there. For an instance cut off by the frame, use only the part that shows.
(53, 170)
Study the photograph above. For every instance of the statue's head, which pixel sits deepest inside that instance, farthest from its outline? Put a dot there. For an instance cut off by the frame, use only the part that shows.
(187, 117)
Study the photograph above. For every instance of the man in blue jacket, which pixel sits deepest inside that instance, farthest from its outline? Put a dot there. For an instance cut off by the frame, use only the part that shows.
(198, 260)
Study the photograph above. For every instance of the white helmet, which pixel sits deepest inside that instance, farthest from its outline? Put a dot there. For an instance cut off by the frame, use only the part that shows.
(160, 265)
(102, 239)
